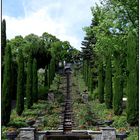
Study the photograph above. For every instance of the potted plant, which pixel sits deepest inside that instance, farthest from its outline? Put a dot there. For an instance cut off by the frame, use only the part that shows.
(109, 120)
(12, 133)
(121, 133)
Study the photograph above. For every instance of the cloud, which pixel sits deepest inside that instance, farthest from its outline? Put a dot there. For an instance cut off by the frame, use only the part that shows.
(64, 19)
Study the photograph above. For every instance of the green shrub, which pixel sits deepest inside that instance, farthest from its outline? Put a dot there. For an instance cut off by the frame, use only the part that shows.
(3, 134)
(59, 96)
(17, 124)
(95, 94)
(39, 106)
(42, 93)
(133, 134)
(30, 112)
(120, 121)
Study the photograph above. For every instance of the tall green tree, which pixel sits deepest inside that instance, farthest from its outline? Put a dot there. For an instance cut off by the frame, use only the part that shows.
(52, 70)
(91, 83)
(132, 81)
(20, 84)
(100, 82)
(3, 44)
(108, 83)
(29, 95)
(6, 95)
(118, 85)
(3, 37)
(35, 81)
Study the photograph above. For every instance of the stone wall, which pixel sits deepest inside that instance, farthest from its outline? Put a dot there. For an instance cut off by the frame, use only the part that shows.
(107, 133)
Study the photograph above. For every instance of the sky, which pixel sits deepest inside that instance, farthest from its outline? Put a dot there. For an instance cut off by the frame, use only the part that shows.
(62, 18)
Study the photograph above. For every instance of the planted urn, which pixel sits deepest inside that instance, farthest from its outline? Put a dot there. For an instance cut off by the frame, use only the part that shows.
(12, 133)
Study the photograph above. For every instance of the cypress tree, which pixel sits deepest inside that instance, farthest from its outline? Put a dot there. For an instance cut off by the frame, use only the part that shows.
(87, 70)
(35, 81)
(3, 38)
(3, 44)
(6, 95)
(85, 73)
(29, 97)
(91, 83)
(118, 87)
(89, 78)
(132, 81)
(20, 84)
(46, 76)
(108, 83)
(52, 70)
(100, 83)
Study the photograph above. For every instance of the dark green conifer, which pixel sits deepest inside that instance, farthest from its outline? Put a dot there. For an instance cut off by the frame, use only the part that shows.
(118, 87)
(6, 94)
(91, 83)
(108, 83)
(132, 81)
(20, 84)
(35, 81)
(100, 83)
(29, 95)
(3, 45)
(3, 38)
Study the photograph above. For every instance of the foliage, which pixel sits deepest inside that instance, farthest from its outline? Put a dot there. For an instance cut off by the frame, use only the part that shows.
(118, 86)
(46, 76)
(3, 38)
(49, 75)
(120, 122)
(101, 83)
(42, 92)
(29, 95)
(108, 84)
(56, 83)
(41, 79)
(51, 122)
(4, 131)
(106, 38)
(52, 70)
(133, 134)
(6, 94)
(35, 82)
(20, 85)
(17, 124)
(132, 81)
(39, 105)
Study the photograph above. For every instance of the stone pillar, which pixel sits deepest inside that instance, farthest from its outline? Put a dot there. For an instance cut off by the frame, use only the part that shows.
(108, 133)
(27, 133)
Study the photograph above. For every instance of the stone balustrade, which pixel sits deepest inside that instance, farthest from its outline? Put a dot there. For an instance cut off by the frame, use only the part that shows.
(106, 133)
